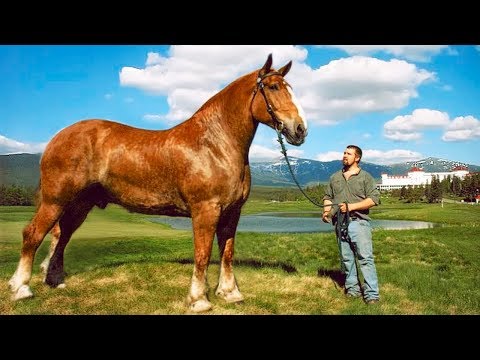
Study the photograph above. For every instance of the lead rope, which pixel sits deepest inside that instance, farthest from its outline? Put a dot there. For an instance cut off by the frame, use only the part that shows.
(284, 152)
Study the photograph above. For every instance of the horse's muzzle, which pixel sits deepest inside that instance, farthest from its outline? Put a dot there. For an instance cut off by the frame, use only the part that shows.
(296, 137)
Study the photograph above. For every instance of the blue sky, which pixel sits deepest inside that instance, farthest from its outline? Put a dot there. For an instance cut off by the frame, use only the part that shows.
(397, 102)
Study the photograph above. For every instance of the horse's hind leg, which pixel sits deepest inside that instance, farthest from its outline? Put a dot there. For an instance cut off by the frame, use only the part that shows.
(204, 220)
(73, 216)
(227, 286)
(55, 233)
(33, 235)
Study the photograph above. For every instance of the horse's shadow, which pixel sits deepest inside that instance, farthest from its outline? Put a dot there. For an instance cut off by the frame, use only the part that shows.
(337, 276)
(288, 268)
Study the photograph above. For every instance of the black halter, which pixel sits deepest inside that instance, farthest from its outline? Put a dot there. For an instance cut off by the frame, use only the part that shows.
(261, 86)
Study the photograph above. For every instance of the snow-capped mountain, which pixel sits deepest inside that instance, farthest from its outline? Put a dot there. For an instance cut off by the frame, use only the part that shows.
(312, 172)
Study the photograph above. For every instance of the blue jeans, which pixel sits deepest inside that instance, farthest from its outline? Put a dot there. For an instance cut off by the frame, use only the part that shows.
(360, 234)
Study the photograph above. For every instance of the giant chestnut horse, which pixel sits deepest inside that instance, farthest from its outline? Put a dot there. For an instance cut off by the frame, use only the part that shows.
(197, 169)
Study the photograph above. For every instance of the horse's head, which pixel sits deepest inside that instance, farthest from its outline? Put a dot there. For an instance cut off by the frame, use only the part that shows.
(275, 105)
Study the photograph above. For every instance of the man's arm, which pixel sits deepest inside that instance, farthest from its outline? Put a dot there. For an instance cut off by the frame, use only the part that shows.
(326, 210)
(327, 200)
(362, 205)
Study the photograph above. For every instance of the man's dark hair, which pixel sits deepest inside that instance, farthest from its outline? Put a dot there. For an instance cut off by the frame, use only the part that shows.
(358, 151)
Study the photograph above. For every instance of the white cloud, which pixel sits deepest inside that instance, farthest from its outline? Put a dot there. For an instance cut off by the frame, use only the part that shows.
(402, 136)
(263, 153)
(189, 75)
(329, 156)
(10, 146)
(462, 129)
(390, 157)
(153, 117)
(183, 102)
(366, 136)
(408, 127)
(420, 53)
(154, 59)
(375, 156)
(349, 86)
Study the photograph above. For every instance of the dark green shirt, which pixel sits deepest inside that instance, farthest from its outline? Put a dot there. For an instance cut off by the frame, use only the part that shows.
(357, 188)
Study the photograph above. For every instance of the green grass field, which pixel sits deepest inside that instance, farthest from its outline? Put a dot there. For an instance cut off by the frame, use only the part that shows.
(121, 263)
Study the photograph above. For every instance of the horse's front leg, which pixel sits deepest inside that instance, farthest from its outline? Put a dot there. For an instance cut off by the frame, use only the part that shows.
(204, 220)
(227, 286)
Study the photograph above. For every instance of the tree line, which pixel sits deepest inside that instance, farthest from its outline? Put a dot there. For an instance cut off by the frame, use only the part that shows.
(452, 186)
(11, 195)
(281, 194)
(465, 189)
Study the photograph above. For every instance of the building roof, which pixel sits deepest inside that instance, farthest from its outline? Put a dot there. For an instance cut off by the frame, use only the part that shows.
(458, 168)
(415, 169)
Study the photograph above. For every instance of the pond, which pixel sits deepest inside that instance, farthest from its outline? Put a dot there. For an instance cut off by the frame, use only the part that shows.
(299, 222)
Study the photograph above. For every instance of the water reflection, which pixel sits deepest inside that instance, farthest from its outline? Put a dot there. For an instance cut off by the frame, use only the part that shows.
(301, 222)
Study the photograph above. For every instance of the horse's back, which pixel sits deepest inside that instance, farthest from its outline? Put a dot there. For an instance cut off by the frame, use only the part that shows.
(88, 138)
(75, 157)
(126, 163)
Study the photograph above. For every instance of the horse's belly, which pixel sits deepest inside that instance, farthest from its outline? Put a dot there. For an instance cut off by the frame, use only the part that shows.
(144, 200)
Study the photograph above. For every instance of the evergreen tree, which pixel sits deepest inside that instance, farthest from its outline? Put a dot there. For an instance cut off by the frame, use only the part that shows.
(456, 186)
(428, 190)
(435, 190)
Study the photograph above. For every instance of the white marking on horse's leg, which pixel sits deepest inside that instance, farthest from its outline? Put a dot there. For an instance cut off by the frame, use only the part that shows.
(12, 282)
(44, 264)
(53, 244)
(19, 281)
(197, 298)
(301, 113)
(227, 286)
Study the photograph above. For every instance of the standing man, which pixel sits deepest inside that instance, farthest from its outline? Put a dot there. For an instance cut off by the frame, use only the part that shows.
(355, 190)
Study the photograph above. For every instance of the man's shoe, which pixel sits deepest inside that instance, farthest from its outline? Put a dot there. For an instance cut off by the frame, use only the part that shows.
(372, 301)
(350, 295)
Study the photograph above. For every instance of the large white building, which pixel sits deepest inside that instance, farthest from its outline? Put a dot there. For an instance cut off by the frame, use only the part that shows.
(417, 177)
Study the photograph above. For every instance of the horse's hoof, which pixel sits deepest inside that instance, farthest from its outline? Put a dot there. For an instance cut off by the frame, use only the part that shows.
(233, 296)
(200, 306)
(59, 286)
(23, 292)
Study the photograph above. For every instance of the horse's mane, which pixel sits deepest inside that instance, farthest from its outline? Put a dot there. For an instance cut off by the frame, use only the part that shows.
(216, 99)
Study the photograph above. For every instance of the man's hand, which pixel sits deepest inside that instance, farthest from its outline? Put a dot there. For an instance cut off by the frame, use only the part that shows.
(343, 207)
(326, 217)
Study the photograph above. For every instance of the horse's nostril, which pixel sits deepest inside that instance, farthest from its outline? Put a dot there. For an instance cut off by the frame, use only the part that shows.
(300, 129)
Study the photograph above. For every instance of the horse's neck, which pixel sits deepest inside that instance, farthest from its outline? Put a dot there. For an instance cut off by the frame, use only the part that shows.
(227, 118)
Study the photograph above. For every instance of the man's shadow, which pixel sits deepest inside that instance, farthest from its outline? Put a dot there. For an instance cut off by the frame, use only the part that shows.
(337, 276)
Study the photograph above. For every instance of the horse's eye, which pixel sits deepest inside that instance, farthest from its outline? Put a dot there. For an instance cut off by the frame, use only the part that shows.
(274, 87)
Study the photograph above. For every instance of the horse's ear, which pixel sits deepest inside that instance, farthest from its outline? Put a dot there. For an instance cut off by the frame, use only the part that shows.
(284, 70)
(268, 64)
